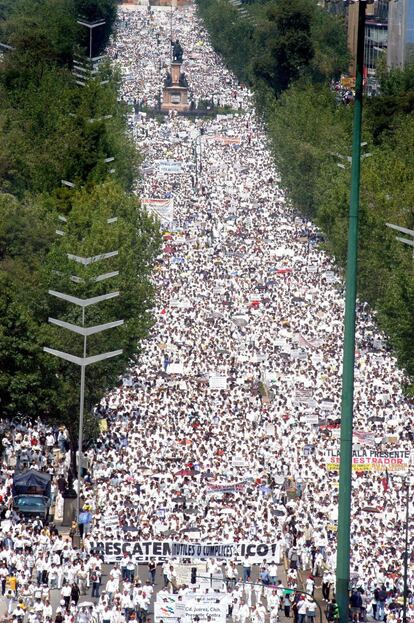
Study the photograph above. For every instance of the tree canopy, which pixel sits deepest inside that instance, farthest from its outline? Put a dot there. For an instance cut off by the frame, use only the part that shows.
(52, 129)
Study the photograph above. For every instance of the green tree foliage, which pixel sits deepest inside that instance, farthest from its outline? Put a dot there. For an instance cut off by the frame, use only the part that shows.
(231, 36)
(93, 10)
(25, 234)
(53, 130)
(279, 41)
(33, 261)
(41, 31)
(307, 127)
(283, 40)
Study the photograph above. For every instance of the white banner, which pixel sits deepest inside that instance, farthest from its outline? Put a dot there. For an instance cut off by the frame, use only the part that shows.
(169, 166)
(141, 551)
(163, 208)
(216, 612)
(228, 487)
(368, 459)
(217, 382)
(204, 606)
(175, 368)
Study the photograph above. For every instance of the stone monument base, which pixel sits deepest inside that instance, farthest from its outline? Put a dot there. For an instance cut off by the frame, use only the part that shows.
(175, 98)
(175, 92)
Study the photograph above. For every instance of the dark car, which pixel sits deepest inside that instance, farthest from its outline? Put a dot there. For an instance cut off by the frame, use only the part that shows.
(32, 493)
(32, 505)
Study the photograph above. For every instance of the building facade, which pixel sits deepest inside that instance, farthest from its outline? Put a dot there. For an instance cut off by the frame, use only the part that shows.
(400, 33)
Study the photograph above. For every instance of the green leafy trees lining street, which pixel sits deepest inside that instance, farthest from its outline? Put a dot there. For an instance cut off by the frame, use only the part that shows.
(290, 53)
(51, 130)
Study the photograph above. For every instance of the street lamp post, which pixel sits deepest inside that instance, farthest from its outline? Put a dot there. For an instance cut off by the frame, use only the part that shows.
(407, 232)
(407, 520)
(91, 25)
(345, 470)
(85, 361)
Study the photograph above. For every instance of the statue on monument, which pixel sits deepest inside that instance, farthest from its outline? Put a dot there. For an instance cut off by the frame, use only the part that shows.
(177, 52)
(175, 92)
(183, 81)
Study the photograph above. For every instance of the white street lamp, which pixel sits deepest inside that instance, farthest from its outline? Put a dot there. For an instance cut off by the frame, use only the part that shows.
(85, 361)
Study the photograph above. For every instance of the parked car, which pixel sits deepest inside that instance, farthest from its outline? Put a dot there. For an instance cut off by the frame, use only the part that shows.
(32, 493)
(37, 505)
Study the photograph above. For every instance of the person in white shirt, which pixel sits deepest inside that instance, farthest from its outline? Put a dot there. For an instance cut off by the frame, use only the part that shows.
(127, 604)
(302, 610)
(66, 593)
(261, 612)
(165, 569)
(247, 569)
(310, 585)
(47, 609)
(274, 615)
(110, 589)
(311, 611)
(172, 577)
(273, 573)
(244, 612)
(272, 599)
(116, 576)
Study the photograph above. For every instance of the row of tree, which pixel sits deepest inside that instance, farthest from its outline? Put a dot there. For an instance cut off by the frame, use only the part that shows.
(291, 52)
(52, 129)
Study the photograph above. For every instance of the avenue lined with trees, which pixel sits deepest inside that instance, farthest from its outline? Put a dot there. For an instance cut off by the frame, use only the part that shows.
(291, 51)
(52, 129)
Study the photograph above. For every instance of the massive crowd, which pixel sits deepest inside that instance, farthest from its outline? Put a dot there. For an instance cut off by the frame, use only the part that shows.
(223, 431)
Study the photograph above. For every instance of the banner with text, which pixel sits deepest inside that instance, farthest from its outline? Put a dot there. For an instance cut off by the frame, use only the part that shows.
(169, 166)
(206, 608)
(162, 208)
(142, 551)
(228, 487)
(368, 459)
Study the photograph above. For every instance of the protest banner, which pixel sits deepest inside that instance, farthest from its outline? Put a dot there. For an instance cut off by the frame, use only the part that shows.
(308, 449)
(169, 166)
(327, 405)
(180, 303)
(183, 572)
(228, 487)
(311, 418)
(368, 459)
(330, 276)
(216, 381)
(175, 368)
(308, 342)
(162, 208)
(168, 610)
(239, 461)
(207, 598)
(214, 612)
(225, 140)
(112, 550)
(302, 395)
(191, 605)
